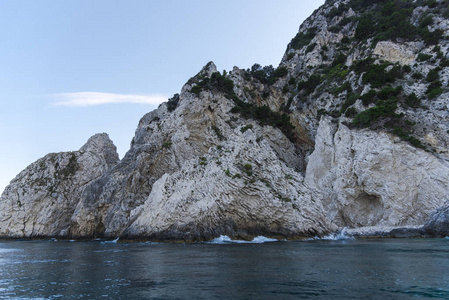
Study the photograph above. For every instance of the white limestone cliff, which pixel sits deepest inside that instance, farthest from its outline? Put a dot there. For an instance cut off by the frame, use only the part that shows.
(197, 169)
(368, 178)
(40, 201)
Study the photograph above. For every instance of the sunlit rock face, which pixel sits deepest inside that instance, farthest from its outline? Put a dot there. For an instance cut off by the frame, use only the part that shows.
(351, 130)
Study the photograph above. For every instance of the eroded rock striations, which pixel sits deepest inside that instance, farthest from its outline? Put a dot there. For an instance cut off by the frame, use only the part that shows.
(41, 200)
(351, 130)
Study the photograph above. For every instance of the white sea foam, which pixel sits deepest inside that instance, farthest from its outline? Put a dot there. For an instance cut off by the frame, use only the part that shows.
(224, 239)
(113, 241)
(337, 236)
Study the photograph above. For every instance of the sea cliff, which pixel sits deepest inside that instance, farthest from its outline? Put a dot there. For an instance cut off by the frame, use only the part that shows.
(350, 130)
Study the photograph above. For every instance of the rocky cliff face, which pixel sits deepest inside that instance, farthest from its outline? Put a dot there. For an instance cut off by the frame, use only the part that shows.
(371, 178)
(42, 198)
(351, 130)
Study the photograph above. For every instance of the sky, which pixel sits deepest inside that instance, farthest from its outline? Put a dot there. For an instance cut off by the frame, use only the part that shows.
(70, 69)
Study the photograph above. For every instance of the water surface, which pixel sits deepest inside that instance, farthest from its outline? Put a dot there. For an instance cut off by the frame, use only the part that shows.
(321, 269)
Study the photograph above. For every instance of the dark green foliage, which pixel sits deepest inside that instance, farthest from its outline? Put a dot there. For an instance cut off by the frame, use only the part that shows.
(345, 40)
(417, 76)
(196, 89)
(390, 19)
(166, 145)
(358, 5)
(426, 21)
(382, 110)
(309, 85)
(222, 84)
(351, 112)
(434, 89)
(267, 74)
(302, 39)
(344, 87)
(432, 3)
(337, 11)
(334, 29)
(437, 49)
(406, 69)
(376, 75)
(395, 21)
(368, 98)
(248, 169)
(365, 27)
(262, 73)
(413, 101)
(397, 72)
(444, 62)
(350, 100)
(345, 22)
(389, 92)
(433, 75)
(338, 71)
(431, 38)
(423, 57)
(278, 73)
(310, 47)
(265, 116)
(340, 59)
(405, 136)
(363, 65)
(384, 94)
(290, 55)
(292, 81)
(173, 102)
(218, 83)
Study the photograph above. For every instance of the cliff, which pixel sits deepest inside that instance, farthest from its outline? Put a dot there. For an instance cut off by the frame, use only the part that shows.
(351, 130)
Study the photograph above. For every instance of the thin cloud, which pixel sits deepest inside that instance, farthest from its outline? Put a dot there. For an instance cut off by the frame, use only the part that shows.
(95, 98)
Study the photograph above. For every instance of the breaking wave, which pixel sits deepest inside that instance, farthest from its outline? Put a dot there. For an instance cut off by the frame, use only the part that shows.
(337, 236)
(224, 239)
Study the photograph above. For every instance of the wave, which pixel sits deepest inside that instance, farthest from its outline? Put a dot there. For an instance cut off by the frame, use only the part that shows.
(337, 236)
(111, 242)
(224, 239)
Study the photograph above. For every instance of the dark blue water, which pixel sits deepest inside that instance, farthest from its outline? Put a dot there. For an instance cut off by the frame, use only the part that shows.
(344, 269)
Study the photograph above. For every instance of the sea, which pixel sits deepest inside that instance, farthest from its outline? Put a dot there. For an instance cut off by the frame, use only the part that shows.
(335, 267)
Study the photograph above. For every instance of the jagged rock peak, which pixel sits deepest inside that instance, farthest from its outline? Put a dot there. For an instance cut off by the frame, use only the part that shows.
(101, 144)
(208, 69)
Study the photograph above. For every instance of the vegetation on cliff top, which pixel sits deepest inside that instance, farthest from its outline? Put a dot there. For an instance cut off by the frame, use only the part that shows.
(262, 114)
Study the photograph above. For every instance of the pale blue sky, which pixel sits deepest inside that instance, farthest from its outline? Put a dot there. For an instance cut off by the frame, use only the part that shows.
(51, 51)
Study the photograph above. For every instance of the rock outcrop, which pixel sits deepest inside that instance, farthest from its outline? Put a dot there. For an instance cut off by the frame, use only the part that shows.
(368, 178)
(40, 201)
(240, 189)
(438, 223)
(351, 130)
